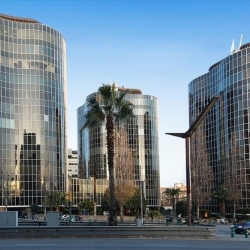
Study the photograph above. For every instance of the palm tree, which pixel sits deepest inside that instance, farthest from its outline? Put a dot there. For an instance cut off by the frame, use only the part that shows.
(222, 194)
(56, 199)
(172, 192)
(109, 106)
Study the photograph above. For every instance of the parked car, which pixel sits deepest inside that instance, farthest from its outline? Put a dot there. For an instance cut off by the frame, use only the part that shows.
(240, 227)
(169, 218)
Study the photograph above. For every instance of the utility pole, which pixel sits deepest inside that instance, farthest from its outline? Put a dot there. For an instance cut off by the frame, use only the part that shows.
(141, 195)
(95, 192)
(141, 188)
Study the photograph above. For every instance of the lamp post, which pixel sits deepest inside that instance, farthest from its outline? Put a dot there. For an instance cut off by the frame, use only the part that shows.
(187, 136)
(94, 186)
(95, 194)
(141, 190)
(70, 206)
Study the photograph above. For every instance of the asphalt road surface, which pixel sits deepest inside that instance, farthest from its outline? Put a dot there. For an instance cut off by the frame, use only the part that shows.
(223, 241)
(122, 244)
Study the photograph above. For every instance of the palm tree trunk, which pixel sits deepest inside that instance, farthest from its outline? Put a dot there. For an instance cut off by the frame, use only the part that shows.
(173, 203)
(222, 208)
(110, 147)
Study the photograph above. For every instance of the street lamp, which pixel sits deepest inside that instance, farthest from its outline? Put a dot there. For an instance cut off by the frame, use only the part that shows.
(187, 136)
(94, 194)
(94, 179)
(141, 194)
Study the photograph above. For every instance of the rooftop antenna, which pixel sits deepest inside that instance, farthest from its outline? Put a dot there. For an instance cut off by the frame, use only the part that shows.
(232, 47)
(240, 40)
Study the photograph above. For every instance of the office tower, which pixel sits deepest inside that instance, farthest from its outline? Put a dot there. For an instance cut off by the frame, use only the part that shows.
(32, 112)
(226, 127)
(138, 137)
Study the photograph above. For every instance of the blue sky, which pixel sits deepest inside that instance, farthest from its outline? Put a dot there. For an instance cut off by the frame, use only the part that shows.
(155, 46)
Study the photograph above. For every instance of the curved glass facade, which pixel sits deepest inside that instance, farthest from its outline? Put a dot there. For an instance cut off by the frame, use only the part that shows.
(142, 140)
(32, 111)
(228, 120)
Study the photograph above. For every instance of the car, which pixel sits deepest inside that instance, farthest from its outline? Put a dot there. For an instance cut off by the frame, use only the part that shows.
(169, 218)
(240, 227)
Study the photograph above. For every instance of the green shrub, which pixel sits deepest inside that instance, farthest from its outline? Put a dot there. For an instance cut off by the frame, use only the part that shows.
(164, 211)
(34, 208)
(181, 208)
(218, 216)
(133, 213)
(99, 210)
(155, 213)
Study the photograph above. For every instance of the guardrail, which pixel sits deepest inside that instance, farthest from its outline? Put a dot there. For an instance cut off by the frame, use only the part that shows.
(64, 223)
(27, 222)
(108, 231)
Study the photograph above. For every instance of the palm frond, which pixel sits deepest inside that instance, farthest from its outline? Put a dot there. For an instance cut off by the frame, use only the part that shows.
(122, 103)
(126, 112)
(105, 91)
(93, 116)
(121, 96)
(91, 102)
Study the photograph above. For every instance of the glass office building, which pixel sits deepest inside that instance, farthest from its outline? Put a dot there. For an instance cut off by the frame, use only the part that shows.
(32, 111)
(227, 121)
(142, 143)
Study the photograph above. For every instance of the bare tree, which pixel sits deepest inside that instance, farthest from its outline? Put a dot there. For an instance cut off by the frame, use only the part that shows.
(7, 176)
(124, 169)
(233, 177)
(4, 179)
(201, 171)
(124, 162)
(124, 191)
(46, 177)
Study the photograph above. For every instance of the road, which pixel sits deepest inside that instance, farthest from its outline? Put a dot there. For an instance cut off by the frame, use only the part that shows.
(122, 244)
(223, 241)
(224, 233)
